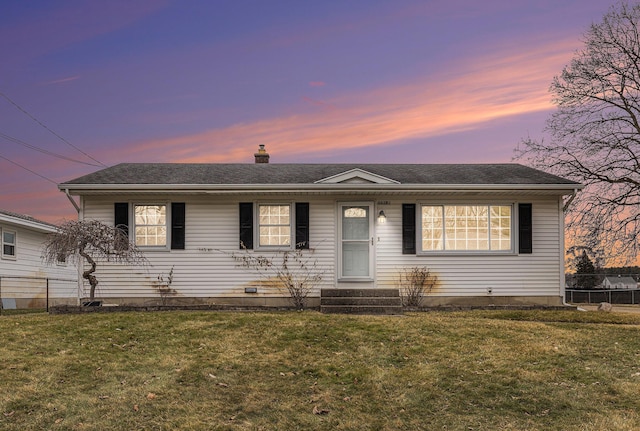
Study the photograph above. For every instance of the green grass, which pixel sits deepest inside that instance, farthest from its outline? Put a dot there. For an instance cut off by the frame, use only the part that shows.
(503, 370)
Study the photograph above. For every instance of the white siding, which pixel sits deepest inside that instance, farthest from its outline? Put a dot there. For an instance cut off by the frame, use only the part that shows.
(25, 277)
(205, 269)
(536, 274)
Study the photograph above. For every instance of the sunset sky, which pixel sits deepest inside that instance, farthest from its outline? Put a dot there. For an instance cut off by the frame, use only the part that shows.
(85, 84)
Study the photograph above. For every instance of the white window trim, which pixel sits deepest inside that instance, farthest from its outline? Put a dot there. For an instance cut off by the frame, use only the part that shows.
(256, 227)
(15, 244)
(514, 231)
(132, 225)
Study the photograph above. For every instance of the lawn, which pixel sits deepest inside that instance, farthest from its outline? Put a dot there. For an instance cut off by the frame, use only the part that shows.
(500, 370)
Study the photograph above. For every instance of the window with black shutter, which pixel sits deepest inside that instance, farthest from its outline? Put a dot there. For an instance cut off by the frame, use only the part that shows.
(408, 228)
(121, 221)
(525, 228)
(177, 225)
(302, 225)
(121, 216)
(246, 225)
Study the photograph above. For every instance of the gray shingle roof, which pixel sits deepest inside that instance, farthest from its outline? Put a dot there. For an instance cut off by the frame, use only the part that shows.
(25, 218)
(275, 173)
(623, 280)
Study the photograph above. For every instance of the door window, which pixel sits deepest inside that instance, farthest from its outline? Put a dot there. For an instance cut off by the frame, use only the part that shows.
(356, 241)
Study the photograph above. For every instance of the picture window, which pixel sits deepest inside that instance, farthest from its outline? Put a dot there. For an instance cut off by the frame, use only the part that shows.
(466, 228)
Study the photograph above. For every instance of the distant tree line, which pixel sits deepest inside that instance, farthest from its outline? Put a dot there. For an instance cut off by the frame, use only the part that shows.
(587, 275)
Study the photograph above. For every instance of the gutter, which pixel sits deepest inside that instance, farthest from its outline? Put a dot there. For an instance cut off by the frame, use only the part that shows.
(226, 188)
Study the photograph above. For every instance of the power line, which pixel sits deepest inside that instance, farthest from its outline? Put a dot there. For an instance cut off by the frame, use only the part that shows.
(44, 151)
(27, 169)
(49, 130)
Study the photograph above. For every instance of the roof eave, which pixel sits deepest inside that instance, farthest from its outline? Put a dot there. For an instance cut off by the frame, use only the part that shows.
(29, 224)
(78, 189)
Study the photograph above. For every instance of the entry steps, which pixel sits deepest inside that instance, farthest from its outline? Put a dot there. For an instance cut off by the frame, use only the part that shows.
(361, 301)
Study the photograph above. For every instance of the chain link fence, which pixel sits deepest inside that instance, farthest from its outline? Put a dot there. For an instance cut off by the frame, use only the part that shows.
(22, 293)
(595, 296)
(614, 288)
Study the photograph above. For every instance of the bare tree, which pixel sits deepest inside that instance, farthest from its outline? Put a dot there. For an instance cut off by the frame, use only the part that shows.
(90, 240)
(595, 134)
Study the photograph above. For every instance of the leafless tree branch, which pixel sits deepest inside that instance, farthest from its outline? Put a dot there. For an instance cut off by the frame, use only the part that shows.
(595, 135)
(90, 240)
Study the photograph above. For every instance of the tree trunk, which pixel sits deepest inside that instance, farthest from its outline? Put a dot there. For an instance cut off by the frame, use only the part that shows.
(88, 274)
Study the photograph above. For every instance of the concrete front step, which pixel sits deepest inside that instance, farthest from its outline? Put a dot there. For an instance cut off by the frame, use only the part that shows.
(352, 293)
(360, 309)
(361, 301)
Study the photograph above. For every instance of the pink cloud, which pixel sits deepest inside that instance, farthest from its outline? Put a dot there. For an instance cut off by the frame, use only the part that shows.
(47, 204)
(317, 84)
(508, 83)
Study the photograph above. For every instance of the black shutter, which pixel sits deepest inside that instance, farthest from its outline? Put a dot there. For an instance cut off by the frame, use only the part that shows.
(177, 226)
(525, 229)
(302, 225)
(121, 216)
(408, 228)
(246, 225)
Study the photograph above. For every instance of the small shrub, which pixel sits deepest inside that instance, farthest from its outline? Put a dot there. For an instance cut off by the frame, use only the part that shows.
(295, 272)
(163, 286)
(414, 283)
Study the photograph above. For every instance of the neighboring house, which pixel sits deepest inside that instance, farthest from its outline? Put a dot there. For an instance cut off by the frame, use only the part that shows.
(23, 274)
(619, 282)
(493, 233)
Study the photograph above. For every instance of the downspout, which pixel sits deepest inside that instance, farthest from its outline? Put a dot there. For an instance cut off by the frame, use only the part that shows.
(562, 272)
(77, 207)
(568, 204)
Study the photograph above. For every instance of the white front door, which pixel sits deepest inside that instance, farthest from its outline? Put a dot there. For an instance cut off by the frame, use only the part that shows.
(355, 248)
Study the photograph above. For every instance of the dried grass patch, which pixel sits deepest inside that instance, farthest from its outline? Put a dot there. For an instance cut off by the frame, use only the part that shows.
(250, 371)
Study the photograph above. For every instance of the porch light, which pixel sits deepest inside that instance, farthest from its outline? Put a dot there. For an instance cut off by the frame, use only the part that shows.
(382, 218)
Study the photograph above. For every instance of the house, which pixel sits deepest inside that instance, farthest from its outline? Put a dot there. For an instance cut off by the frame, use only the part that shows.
(619, 282)
(492, 233)
(24, 277)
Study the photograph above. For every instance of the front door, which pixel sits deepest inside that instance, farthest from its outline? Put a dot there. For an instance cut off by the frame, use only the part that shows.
(355, 248)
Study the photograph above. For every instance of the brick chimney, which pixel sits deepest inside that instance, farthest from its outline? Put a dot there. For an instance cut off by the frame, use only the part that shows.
(262, 156)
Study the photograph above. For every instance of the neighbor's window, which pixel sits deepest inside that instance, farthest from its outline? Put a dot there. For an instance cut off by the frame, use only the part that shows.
(274, 225)
(151, 225)
(466, 228)
(8, 244)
